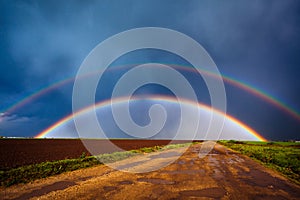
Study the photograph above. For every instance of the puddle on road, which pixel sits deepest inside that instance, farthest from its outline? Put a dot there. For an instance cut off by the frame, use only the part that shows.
(192, 161)
(230, 161)
(192, 172)
(207, 192)
(195, 150)
(258, 178)
(126, 182)
(217, 174)
(180, 162)
(109, 188)
(156, 181)
(46, 189)
(235, 159)
(214, 152)
(85, 178)
(213, 161)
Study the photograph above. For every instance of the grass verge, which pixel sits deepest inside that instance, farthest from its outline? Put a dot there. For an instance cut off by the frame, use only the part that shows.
(30, 173)
(281, 156)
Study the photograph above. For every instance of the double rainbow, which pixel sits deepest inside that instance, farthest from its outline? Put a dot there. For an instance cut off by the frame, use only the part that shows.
(229, 80)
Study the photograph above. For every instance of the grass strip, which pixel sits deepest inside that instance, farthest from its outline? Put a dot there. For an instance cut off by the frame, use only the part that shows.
(283, 157)
(28, 173)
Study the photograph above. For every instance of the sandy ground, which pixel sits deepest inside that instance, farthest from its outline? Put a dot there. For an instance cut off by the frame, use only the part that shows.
(222, 174)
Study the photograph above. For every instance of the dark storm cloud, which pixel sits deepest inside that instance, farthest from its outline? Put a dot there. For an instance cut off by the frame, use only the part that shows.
(45, 41)
(20, 126)
(248, 38)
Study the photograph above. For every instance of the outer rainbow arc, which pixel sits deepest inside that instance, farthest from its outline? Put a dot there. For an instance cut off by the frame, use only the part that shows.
(170, 99)
(43, 91)
(256, 92)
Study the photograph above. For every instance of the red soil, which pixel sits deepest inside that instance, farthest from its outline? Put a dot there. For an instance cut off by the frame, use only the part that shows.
(20, 152)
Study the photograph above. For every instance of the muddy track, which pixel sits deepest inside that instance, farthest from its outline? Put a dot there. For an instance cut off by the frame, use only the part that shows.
(222, 174)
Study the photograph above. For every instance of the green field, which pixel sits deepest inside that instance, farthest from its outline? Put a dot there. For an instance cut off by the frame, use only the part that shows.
(281, 156)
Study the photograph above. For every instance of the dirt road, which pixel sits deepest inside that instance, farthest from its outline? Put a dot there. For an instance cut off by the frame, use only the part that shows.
(222, 174)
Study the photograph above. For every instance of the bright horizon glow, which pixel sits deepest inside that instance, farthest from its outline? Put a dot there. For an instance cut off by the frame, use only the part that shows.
(63, 121)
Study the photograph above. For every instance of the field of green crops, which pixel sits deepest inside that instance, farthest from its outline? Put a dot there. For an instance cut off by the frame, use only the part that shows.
(281, 156)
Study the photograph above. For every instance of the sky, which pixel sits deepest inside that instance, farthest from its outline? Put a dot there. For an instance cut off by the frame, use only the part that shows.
(253, 42)
(172, 127)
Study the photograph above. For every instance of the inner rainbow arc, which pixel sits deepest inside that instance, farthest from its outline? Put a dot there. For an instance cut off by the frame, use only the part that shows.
(169, 99)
